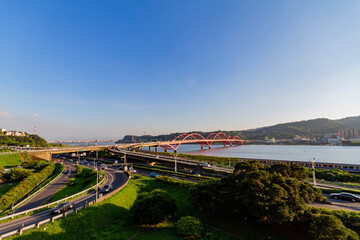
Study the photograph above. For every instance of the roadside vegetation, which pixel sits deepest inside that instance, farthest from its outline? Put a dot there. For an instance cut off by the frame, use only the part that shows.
(29, 176)
(335, 175)
(83, 179)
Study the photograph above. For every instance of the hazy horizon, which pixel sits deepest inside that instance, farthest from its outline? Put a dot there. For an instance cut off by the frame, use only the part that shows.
(101, 71)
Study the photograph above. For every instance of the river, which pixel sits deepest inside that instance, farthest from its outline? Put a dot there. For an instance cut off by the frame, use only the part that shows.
(331, 154)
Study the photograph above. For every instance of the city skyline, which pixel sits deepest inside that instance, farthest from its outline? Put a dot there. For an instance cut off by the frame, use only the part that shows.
(99, 71)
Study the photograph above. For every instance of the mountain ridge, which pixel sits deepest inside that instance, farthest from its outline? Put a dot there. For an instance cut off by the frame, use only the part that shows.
(308, 128)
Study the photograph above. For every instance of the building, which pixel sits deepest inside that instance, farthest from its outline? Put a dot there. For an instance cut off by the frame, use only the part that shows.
(15, 133)
(2, 130)
(347, 133)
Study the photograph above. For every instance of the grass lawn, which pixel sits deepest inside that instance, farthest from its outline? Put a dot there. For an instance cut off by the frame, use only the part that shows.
(111, 219)
(12, 160)
(5, 187)
(81, 182)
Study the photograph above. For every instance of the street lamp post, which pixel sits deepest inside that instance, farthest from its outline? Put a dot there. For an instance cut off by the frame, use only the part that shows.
(313, 170)
(175, 155)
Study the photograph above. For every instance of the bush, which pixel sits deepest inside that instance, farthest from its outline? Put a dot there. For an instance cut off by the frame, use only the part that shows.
(17, 174)
(189, 226)
(324, 227)
(79, 169)
(154, 207)
(25, 186)
(71, 182)
(176, 182)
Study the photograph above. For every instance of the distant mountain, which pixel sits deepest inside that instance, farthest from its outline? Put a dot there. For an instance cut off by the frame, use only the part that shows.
(309, 128)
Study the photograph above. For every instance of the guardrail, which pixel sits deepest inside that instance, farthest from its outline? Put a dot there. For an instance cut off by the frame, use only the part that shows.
(8, 153)
(52, 219)
(49, 204)
(34, 194)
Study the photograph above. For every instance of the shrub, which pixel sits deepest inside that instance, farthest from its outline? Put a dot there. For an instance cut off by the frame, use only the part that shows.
(154, 207)
(189, 226)
(17, 174)
(323, 227)
(71, 182)
(28, 183)
(79, 170)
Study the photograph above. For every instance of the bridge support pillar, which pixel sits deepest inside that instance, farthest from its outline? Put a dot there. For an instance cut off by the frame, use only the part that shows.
(209, 147)
(149, 149)
(165, 150)
(175, 151)
(202, 147)
(156, 149)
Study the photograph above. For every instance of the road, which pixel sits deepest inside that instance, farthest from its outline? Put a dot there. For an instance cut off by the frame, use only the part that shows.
(114, 177)
(338, 204)
(50, 190)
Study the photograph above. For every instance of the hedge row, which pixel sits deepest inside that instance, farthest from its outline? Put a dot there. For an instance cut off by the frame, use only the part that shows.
(25, 186)
(335, 175)
(176, 182)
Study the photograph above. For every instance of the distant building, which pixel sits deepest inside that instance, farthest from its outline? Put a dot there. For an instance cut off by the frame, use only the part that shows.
(334, 141)
(347, 133)
(15, 133)
(2, 130)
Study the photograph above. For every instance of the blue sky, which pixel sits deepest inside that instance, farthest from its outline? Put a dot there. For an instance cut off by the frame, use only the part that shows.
(103, 69)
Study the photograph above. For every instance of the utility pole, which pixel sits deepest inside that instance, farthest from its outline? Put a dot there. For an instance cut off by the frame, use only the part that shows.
(175, 155)
(313, 170)
(97, 182)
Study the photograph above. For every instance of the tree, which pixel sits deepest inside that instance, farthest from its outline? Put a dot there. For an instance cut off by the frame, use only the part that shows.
(263, 193)
(153, 207)
(323, 227)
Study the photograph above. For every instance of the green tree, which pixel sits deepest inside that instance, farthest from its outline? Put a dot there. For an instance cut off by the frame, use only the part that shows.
(153, 207)
(324, 227)
(266, 194)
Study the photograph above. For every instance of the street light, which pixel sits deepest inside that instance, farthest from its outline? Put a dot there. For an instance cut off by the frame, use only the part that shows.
(175, 155)
(313, 170)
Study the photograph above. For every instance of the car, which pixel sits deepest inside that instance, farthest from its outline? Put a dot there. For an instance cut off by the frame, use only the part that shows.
(122, 167)
(345, 196)
(107, 188)
(205, 164)
(154, 175)
(62, 207)
(103, 166)
(197, 174)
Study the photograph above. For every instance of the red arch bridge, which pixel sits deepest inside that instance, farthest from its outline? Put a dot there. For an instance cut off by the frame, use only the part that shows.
(216, 137)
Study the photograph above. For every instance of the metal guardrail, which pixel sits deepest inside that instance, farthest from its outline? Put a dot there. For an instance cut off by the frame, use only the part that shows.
(9, 153)
(49, 204)
(52, 219)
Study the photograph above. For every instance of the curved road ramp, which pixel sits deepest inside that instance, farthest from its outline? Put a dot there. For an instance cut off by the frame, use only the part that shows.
(16, 227)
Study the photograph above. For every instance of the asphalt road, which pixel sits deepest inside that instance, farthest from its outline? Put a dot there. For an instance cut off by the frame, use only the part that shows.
(50, 190)
(114, 177)
(338, 204)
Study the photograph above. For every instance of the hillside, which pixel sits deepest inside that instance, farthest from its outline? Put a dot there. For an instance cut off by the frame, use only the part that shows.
(31, 140)
(309, 128)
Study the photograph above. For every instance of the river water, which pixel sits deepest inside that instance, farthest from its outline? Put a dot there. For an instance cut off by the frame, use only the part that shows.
(332, 154)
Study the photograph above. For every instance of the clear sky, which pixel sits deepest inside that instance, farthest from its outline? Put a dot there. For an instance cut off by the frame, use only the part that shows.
(103, 69)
